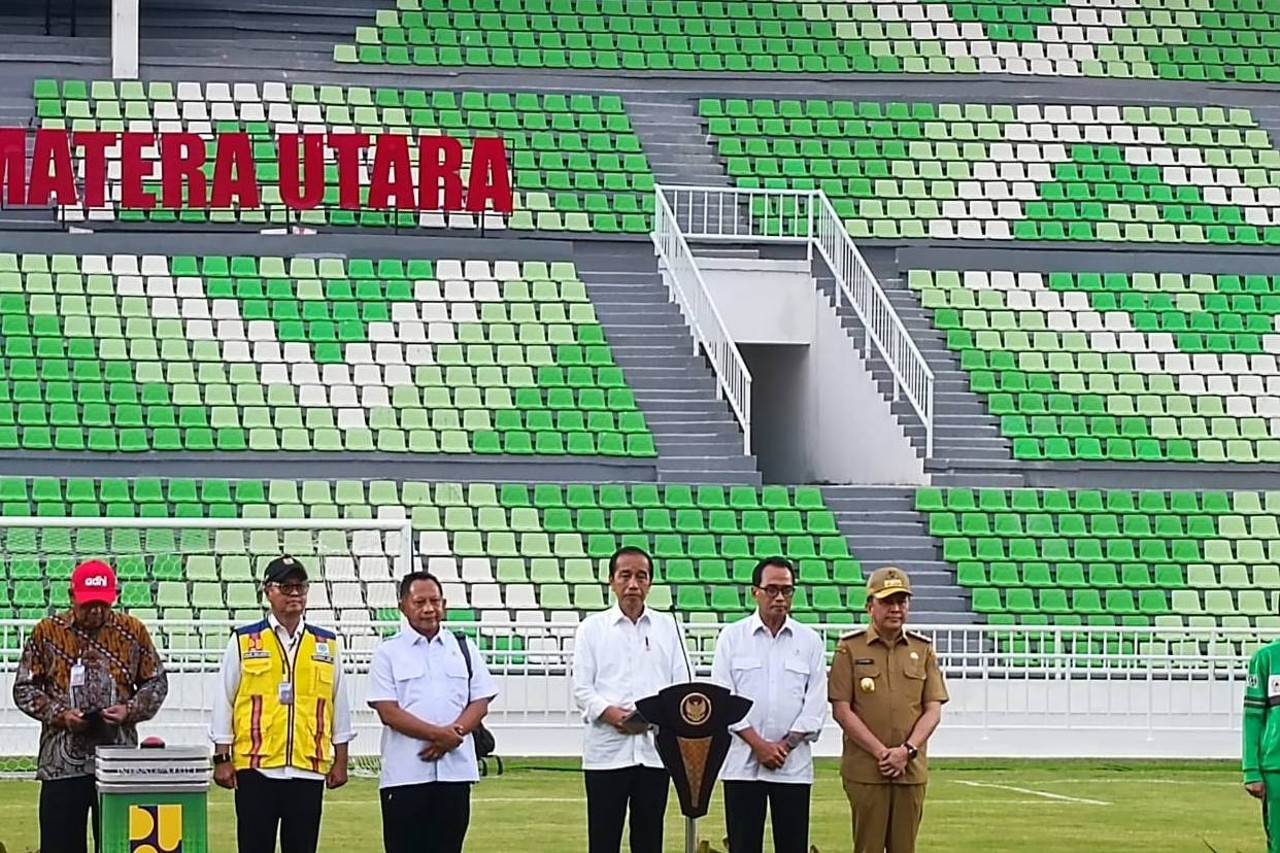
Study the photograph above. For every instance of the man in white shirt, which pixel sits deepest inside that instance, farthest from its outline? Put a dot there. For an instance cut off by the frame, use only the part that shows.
(431, 690)
(620, 655)
(282, 721)
(780, 665)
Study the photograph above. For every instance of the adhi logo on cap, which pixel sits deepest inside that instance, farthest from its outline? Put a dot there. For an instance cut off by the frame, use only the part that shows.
(96, 580)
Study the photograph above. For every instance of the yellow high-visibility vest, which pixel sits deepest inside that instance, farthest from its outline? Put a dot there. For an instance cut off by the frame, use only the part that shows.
(271, 733)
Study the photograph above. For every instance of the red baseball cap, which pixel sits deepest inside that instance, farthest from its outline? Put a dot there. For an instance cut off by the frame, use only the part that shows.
(93, 581)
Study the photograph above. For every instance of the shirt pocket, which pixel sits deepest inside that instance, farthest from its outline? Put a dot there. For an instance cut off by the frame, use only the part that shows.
(913, 668)
(408, 677)
(795, 673)
(322, 679)
(866, 682)
(746, 672)
(255, 667)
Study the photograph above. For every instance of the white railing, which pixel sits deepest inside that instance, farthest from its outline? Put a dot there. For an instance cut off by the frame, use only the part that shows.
(687, 287)
(1055, 651)
(1014, 690)
(806, 216)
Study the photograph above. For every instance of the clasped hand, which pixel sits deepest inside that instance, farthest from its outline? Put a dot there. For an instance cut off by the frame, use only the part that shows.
(74, 720)
(893, 761)
(771, 755)
(441, 740)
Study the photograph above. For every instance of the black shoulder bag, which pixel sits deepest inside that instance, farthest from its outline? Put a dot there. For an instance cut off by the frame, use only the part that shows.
(485, 743)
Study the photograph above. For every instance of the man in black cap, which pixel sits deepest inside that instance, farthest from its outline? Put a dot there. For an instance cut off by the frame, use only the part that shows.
(282, 722)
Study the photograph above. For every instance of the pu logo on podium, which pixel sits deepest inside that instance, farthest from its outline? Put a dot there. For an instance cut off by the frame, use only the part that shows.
(155, 829)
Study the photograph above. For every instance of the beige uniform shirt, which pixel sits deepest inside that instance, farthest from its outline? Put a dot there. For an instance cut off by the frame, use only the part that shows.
(887, 688)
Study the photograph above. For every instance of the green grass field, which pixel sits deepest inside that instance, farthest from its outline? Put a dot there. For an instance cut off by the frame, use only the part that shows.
(992, 806)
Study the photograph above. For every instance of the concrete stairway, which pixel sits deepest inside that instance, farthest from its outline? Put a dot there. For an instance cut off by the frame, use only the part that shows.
(674, 140)
(676, 143)
(963, 431)
(884, 529)
(696, 434)
(967, 445)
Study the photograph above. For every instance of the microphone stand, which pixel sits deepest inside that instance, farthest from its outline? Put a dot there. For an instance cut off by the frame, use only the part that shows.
(690, 824)
(684, 650)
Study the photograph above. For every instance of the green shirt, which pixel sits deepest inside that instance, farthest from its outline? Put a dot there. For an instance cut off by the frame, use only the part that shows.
(1261, 752)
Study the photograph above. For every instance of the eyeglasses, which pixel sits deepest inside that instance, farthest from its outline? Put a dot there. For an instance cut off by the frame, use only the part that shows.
(775, 591)
(292, 588)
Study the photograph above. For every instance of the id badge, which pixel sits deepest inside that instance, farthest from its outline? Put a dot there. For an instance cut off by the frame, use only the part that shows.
(77, 675)
(286, 693)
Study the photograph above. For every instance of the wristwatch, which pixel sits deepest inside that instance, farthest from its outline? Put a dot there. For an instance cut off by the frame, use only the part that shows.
(221, 757)
(912, 752)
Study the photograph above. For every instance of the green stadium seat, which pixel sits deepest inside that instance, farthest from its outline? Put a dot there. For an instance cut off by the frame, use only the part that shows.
(1112, 557)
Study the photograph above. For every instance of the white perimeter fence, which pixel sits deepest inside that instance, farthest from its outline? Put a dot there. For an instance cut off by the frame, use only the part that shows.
(1033, 692)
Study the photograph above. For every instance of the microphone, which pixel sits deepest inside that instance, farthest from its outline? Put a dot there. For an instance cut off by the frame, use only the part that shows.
(684, 650)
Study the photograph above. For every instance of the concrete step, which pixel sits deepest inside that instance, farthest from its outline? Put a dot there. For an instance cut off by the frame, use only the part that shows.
(869, 513)
(711, 463)
(695, 433)
(964, 428)
(669, 474)
(887, 493)
(883, 528)
(696, 398)
(660, 380)
(875, 527)
(632, 301)
(671, 132)
(915, 547)
(645, 326)
(971, 480)
(724, 431)
(658, 356)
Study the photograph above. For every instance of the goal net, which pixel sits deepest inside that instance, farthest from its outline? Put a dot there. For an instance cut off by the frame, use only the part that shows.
(190, 580)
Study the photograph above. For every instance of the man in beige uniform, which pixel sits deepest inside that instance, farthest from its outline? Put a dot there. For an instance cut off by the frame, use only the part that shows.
(886, 694)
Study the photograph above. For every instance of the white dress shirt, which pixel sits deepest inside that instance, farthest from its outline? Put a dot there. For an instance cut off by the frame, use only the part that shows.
(615, 662)
(427, 678)
(785, 677)
(222, 728)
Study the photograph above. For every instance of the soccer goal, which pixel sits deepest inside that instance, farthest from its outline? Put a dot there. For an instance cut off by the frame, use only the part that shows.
(191, 580)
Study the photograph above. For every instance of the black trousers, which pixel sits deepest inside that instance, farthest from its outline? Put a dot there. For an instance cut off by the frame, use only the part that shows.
(744, 807)
(265, 806)
(611, 792)
(429, 818)
(65, 806)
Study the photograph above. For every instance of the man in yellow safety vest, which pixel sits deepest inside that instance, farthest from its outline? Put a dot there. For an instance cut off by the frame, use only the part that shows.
(282, 722)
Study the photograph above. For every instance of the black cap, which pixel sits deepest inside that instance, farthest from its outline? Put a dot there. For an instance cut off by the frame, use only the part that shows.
(283, 567)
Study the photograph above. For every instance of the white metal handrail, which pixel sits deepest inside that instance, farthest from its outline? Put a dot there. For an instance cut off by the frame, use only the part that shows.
(1023, 651)
(885, 330)
(689, 289)
(807, 216)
